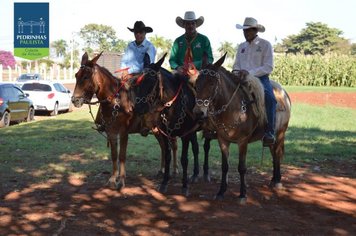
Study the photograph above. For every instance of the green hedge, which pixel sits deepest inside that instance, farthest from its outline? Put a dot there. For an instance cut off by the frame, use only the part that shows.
(330, 70)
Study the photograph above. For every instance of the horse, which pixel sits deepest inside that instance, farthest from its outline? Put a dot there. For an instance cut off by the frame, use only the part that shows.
(235, 110)
(115, 113)
(169, 111)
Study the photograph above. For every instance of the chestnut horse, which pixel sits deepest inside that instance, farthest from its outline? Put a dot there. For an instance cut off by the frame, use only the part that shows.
(236, 112)
(170, 111)
(115, 113)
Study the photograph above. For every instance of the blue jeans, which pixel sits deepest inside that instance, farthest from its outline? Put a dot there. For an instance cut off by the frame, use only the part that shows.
(271, 102)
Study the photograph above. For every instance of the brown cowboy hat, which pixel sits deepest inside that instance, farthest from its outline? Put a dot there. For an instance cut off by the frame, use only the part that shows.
(140, 26)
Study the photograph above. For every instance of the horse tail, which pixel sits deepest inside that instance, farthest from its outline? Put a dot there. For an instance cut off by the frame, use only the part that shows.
(257, 92)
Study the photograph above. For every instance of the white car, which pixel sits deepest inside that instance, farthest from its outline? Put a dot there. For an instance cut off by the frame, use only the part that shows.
(48, 96)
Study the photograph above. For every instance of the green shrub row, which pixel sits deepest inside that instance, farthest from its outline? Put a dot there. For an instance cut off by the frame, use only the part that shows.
(300, 70)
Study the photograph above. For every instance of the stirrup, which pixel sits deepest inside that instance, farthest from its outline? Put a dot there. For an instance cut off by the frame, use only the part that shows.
(267, 141)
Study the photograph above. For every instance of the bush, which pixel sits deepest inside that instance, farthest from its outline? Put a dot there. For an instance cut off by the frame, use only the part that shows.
(7, 59)
(330, 70)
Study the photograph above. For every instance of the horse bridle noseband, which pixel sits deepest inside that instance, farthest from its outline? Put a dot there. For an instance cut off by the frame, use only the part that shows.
(206, 102)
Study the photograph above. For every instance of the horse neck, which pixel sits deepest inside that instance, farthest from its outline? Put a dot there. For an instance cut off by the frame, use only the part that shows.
(107, 84)
(226, 87)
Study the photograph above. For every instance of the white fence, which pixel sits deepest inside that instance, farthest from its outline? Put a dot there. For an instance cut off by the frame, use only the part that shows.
(54, 72)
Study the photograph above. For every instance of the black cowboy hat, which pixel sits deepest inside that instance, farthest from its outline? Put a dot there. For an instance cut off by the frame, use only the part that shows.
(139, 27)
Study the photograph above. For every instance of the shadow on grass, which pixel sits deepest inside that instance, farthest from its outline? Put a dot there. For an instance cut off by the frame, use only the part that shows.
(53, 174)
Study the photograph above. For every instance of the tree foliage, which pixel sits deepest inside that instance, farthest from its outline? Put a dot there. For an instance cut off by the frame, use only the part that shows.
(161, 44)
(7, 59)
(226, 47)
(60, 46)
(316, 38)
(98, 37)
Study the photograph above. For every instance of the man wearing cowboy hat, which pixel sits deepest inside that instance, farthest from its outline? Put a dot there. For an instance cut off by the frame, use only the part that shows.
(255, 57)
(188, 49)
(137, 53)
(133, 59)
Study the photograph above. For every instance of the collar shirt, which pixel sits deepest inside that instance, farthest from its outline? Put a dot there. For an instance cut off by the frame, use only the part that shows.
(199, 45)
(134, 54)
(255, 57)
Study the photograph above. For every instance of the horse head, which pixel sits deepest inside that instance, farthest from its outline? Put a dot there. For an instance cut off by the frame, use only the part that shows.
(85, 86)
(145, 86)
(206, 86)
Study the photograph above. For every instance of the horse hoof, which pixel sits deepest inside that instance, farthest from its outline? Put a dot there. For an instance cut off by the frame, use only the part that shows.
(242, 200)
(112, 185)
(207, 178)
(193, 179)
(185, 192)
(219, 197)
(278, 186)
(163, 188)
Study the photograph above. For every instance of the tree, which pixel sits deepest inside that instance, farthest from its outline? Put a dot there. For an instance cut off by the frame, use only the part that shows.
(60, 46)
(7, 59)
(162, 45)
(119, 45)
(98, 37)
(353, 49)
(226, 47)
(316, 38)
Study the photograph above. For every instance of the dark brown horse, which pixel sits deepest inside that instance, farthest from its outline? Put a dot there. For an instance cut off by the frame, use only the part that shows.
(170, 112)
(115, 112)
(236, 112)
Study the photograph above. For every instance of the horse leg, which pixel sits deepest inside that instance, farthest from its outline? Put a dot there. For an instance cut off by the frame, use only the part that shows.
(122, 158)
(167, 162)
(195, 148)
(206, 159)
(277, 151)
(112, 182)
(224, 147)
(184, 162)
(175, 161)
(161, 144)
(242, 171)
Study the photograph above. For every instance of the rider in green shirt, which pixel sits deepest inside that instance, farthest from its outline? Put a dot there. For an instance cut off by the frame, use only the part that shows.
(188, 49)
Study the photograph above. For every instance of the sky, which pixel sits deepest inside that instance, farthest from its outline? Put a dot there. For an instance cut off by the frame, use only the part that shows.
(281, 18)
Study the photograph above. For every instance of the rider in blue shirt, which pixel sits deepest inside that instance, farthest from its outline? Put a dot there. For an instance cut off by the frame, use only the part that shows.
(133, 59)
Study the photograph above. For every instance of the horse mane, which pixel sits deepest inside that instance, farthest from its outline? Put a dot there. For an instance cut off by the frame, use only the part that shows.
(252, 88)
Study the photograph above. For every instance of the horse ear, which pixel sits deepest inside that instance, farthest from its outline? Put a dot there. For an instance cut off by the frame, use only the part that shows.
(96, 58)
(220, 61)
(146, 60)
(159, 63)
(84, 59)
(204, 60)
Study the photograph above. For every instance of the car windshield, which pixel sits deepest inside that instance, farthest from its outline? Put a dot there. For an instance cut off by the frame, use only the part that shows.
(29, 77)
(36, 87)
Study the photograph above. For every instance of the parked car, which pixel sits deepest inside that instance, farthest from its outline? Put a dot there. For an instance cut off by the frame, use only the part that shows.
(48, 96)
(27, 77)
(15, 106)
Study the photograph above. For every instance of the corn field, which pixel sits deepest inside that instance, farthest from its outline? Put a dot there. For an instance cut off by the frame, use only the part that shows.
(300, 70)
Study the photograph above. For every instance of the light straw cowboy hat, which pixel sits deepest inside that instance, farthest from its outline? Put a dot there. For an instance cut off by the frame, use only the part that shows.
(189, 16)
(251, 23)
(140, 26)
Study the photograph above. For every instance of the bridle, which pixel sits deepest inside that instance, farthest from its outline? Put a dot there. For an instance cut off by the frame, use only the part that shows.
(207, 102)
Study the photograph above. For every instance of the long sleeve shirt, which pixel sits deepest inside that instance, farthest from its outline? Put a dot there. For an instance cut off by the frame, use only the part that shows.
(255, 57)
(199, 45)
(134, 54)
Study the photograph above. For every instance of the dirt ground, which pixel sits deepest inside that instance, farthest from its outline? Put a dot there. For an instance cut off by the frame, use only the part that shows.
(313, 201)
